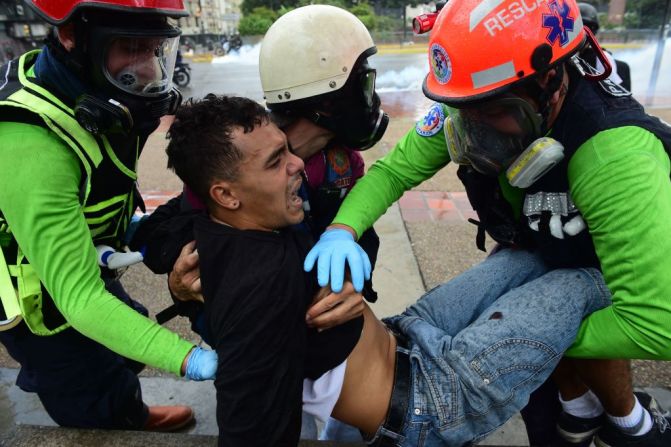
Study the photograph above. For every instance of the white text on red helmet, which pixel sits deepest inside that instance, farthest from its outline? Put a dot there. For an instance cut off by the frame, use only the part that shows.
(505, 17)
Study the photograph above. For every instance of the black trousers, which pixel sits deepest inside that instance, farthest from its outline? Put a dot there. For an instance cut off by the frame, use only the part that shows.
(541, 414)
(80, 382)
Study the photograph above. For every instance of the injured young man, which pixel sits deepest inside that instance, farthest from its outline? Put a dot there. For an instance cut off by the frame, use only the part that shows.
(449, 370)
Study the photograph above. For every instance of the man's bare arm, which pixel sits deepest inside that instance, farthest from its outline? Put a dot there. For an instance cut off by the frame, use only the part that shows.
(331, 309)
(184, 279)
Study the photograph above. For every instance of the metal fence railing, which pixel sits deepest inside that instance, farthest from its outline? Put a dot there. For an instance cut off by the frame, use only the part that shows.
(628, 36)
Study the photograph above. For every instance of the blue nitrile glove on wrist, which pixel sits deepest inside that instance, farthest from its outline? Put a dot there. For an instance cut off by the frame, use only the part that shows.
(201, 365)
(334, 247)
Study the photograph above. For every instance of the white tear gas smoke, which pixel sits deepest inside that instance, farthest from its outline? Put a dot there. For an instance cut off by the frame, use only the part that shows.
(640, 62)
(246, 55)
(410, 77)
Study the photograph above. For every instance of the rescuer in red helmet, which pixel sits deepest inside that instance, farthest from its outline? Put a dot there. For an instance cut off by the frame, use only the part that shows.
(74, 117)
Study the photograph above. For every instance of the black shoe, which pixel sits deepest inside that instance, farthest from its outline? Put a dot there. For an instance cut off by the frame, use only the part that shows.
(646, 401)
(578, 432)
(658, 436)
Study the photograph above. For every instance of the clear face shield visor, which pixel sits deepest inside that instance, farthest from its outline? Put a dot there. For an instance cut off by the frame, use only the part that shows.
(491, 135)
(141, 65)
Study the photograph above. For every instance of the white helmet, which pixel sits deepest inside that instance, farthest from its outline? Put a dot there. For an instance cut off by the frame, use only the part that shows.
(311, 51)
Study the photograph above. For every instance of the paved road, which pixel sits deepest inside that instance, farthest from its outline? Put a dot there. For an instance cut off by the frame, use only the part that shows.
(399, 80)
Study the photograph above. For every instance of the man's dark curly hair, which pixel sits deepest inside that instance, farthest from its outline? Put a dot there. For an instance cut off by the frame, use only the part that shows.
(201, 150)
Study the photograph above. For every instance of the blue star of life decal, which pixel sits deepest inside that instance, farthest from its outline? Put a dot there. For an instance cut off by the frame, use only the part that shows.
(559, 22)
(432, 121)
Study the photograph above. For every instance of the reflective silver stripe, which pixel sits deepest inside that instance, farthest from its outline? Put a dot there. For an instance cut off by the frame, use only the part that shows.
(481, 11)
(493, 75)
(9, 67)
(555, 202)
(577, 27)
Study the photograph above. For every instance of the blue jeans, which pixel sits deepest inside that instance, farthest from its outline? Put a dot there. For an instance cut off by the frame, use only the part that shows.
(334, 430)
(481, 343)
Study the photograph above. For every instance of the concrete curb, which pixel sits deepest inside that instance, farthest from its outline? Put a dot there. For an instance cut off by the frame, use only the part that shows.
(34, 435)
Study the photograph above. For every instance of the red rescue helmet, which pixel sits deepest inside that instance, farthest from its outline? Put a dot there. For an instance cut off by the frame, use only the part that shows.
(58, 12)
(478, 49)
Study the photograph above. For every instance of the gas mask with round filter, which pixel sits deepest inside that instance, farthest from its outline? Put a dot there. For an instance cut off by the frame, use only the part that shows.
(141, 65)
(502, 134)
(131, 66)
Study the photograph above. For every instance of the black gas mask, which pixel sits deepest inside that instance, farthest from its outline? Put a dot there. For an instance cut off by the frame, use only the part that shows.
(491, 135)
(353, 114)
(129, 61)
(505, 131)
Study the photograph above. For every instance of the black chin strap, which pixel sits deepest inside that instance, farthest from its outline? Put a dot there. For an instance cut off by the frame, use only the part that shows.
(321, 120)
(543, 96)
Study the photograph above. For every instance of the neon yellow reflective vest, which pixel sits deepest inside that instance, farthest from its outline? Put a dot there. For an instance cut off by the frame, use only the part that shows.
(108, 195)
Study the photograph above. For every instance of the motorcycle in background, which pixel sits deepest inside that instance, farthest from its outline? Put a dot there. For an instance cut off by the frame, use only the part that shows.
(229, 43)
(182, 74)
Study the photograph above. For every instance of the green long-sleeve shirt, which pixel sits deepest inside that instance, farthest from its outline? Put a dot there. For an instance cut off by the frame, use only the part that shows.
(625, 198)
(39, 198)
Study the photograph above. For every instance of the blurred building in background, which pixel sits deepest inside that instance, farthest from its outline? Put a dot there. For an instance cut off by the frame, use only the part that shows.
(20, 29)
(209, 21)
(616, 10)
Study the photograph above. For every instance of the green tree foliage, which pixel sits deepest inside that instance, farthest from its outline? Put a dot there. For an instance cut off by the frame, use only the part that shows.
(339, 3)
(366, 14)
(386, 23)
(248, 6)
(256, 13)
(396, 3)
(257, 22)
(644, 13)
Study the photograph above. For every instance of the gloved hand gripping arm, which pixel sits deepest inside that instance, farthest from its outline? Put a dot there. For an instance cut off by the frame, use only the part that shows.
(335, 246)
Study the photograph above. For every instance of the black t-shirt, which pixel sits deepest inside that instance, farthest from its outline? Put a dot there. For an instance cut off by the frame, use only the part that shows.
(256, 295)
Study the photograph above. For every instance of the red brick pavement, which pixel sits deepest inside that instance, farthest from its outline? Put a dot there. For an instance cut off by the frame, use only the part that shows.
(416, 206)
(152, 199)
(436, 206)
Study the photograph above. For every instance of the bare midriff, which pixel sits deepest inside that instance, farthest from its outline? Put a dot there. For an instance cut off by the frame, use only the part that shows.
(369, 377)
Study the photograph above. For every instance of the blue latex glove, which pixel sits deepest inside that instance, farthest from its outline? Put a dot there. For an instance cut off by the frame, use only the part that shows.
(336, 246)
(201, 365)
